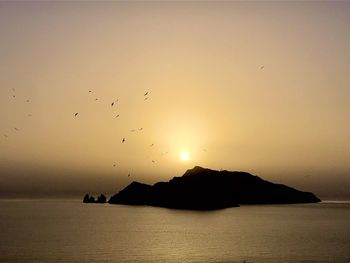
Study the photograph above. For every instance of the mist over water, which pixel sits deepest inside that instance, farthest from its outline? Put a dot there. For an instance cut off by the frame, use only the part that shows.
(69, 231)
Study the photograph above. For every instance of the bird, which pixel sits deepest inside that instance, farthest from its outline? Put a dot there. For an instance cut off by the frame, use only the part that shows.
(27, 100)
(112, 104)
(14, 96)
(262, 67)
(146, 93)
(90, 91)
(153, 161)
(140, 129)
(123, 140)
(117, 116)
(128, 175)
(114, 165)
(96, 99)
(76, 114)
(146, 98)
(152, 145)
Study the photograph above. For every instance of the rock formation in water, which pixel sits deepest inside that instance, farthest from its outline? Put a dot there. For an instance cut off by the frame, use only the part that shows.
(206, 189)
(90, 199)
(86, 198)
(101, 199)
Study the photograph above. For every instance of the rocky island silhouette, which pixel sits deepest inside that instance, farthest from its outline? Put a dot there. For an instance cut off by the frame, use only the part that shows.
(205, 189)
(101, 199)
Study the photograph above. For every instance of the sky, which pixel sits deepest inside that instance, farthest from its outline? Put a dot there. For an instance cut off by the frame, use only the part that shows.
(261, 87)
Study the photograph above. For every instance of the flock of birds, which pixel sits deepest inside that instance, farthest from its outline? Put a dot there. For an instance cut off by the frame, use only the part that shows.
(15, 129)
(112, 104)
(76, 114)
(123, 140)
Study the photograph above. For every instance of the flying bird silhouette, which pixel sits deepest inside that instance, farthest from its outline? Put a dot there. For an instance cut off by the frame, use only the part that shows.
(27, 100)
(76, 114)
(114, 165)
(123, 140)
(117, 116)
(112, 104)
(140, 129)
(146, 93)
(146, 98)
(262, 67)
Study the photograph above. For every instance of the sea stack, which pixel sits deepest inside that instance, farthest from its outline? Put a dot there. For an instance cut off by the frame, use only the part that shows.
(101, 199)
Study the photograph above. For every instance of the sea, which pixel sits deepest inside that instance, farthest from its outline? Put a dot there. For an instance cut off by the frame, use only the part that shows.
(69, 231)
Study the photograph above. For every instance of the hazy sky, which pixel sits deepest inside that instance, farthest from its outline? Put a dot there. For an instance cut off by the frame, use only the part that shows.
(262, 87)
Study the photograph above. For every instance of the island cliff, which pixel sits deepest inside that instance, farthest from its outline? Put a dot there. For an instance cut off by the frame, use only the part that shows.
(205, 189)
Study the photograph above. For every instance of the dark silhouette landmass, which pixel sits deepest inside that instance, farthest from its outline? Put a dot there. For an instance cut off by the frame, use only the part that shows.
(101, 199)
(206, 189)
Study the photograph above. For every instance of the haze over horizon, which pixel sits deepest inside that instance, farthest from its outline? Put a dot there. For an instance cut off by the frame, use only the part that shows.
(261, 87)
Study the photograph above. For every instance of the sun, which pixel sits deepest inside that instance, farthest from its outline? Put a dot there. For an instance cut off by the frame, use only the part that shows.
(185, 156)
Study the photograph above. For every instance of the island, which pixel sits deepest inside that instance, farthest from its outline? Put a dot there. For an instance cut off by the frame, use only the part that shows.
(205, 189)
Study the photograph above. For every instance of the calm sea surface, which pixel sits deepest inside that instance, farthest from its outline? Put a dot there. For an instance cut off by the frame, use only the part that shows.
(69, 231)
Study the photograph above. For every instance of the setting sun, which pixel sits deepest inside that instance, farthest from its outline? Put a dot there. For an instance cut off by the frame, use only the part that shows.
(185, 156)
